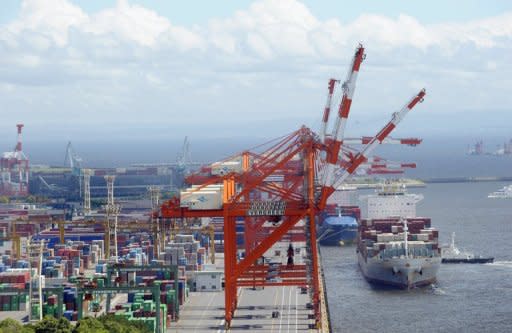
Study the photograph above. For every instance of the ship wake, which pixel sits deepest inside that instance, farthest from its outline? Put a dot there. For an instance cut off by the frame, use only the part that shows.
(503, 263)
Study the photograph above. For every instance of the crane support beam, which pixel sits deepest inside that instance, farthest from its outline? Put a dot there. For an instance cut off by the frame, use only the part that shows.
(270, 240)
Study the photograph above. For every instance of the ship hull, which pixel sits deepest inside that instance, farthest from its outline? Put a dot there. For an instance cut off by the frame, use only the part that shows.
(467, 261)
(400, 272)
(335, 236)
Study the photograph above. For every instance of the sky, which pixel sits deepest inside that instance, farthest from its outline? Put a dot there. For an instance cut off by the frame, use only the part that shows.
(146, 71)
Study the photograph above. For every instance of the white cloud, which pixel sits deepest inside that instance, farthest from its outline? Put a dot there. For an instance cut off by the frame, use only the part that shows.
(51, 18)
(273, 58)
(130, 22)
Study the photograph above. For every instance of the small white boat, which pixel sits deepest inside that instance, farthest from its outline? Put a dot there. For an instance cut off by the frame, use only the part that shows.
(504, 193)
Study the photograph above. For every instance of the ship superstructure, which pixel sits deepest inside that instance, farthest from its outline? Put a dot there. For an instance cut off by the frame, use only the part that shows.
(392, 199)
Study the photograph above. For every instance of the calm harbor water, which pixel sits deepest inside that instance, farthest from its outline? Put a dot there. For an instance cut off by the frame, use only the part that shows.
(466, 298)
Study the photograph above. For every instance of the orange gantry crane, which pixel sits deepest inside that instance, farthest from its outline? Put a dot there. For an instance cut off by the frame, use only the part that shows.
(274, 186)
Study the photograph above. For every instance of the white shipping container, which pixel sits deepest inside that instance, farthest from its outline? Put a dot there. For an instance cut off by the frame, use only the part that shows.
(207, 187)
(223, 168)
(422, 237)
(385, 237)
(201, 200)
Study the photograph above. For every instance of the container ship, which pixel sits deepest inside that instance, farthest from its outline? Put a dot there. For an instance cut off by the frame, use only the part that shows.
(339, 228)
(338, 221)
(394, 247)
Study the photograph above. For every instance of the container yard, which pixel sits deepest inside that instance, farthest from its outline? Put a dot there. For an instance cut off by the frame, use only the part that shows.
(255, 166)
(237, 239)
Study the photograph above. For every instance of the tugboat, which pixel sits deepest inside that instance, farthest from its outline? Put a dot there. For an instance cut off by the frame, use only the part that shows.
(452, 255)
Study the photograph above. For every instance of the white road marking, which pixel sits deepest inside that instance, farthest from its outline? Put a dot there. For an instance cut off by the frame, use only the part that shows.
(273, 308)
(281, 312)
(296, 310)
(223, 321)
(221, 324)
(204, 311)
(289, 308)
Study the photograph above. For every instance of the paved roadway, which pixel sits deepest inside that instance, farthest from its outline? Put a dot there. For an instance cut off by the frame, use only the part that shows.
(21, 316)
(204, 312)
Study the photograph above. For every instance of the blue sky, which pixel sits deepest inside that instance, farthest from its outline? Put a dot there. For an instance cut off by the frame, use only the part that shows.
(198, 11)
(154, 70)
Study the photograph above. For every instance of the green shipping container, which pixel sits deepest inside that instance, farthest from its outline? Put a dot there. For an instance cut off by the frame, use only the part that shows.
(150, 323)
(35, 310)
(163, 314)
(125, 314)
(148, 306)
(171, 296)
(49, 310)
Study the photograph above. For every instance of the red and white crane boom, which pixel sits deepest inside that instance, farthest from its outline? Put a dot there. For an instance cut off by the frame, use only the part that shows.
(362, 156)
(349, 87)
(327, 109)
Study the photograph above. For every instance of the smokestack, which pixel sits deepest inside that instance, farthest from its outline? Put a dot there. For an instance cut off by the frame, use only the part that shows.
(18, 144)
